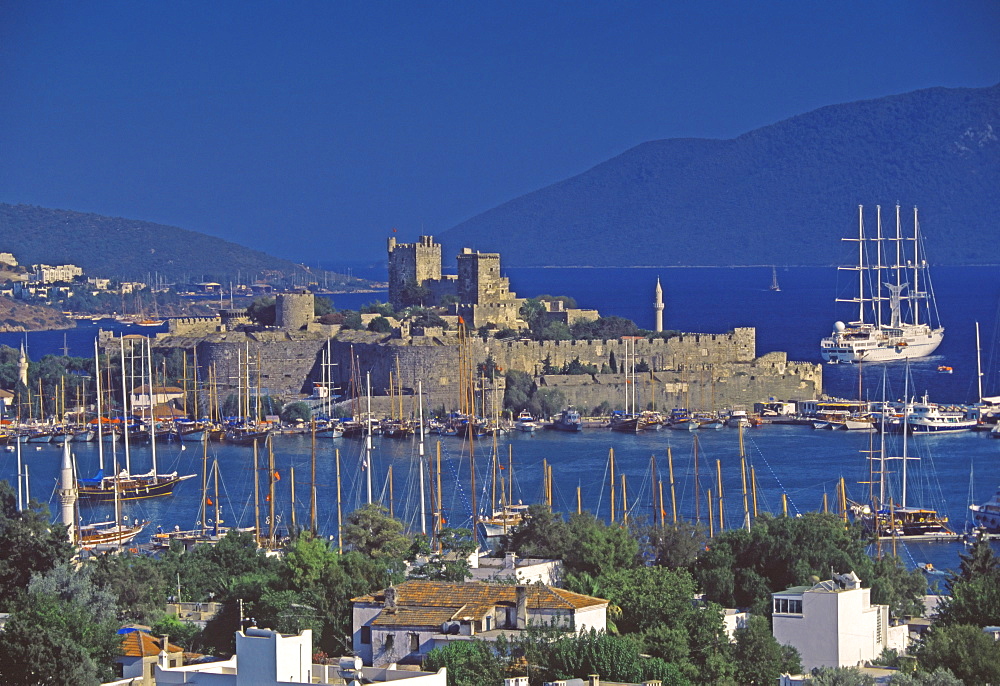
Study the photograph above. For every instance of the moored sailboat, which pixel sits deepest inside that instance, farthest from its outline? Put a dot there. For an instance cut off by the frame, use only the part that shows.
(912, 329)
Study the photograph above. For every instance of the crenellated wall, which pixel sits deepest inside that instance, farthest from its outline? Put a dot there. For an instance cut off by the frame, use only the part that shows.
(699, 371)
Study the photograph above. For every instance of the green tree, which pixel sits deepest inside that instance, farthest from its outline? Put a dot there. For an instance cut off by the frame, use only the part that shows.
(352, 320)
(380, 325)
(519, 390)
(971, 655)
(469, 663)
(547, 402)
(759, 658)
(553, 331)
(939, 677)
(415, 294)
(384, 309)
(263, 311)
(30, 544)
(975, 589)
(840, 676)
(371, 531)
(294, 411)
(322, 306)
(901, 589)
(742, 568)
(61, 631)
(676, 546)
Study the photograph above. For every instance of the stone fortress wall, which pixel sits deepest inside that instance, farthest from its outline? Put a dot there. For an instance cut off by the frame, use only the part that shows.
(695, 370)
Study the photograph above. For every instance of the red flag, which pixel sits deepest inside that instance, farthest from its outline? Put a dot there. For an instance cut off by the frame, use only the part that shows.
(208, 501)
(394, 229)
(277, 477)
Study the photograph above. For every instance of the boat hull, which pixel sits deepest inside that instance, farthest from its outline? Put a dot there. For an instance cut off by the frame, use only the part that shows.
(836, 350)
(129, 488)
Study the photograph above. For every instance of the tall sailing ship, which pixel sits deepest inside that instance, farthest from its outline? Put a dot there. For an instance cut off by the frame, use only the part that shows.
(911, 327)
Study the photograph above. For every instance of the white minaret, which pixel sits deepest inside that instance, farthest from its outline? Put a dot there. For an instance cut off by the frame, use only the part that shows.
(22, 367)
(67, 492)
(658, 306)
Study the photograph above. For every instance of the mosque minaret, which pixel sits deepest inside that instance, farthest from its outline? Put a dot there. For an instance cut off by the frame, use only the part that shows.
(658, 306)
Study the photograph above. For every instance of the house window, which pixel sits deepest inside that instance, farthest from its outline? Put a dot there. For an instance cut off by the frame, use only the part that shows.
(366, 635)
(414, 642)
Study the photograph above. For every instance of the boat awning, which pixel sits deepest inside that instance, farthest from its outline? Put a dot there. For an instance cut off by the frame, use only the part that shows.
(994, 400)
(94, 480)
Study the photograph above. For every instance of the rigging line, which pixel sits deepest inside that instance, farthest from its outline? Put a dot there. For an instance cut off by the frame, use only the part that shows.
(774, 475)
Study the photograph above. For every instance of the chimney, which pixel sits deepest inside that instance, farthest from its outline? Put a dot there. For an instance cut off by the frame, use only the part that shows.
(390, 598)
(163, 659)
(593, 680)
(522, 607)
(510, 560)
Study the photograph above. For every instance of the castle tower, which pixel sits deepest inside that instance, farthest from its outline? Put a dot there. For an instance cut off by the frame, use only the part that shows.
(658, 306)
(22, 367)
(294, 311)
(412, 263)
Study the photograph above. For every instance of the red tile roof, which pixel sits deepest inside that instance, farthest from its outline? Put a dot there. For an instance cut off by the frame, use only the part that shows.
(141, 644)
(476, 598)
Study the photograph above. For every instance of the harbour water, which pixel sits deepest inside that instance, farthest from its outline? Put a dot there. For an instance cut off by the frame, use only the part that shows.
(954, 469)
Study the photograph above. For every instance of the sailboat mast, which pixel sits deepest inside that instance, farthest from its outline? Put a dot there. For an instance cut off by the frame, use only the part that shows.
(152, 419)
(368, 440)
(420, 448)
(100, 414)
(877, 286)
(861, 266)
(256, 490)
(125, 431)
(979, 366)
(906, 425)
(915, 291)
(204, 481)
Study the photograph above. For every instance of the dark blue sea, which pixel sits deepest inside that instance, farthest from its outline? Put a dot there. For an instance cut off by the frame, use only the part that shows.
(800, 462)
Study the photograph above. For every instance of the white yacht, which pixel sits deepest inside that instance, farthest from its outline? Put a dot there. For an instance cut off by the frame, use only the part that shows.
(891, 269)
(987, 515)
(928, 418)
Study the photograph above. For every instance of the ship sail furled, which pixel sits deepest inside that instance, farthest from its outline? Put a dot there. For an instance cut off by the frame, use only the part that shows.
(897, 315)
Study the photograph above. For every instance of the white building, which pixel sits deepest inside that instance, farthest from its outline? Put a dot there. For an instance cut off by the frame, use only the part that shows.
(47, 273)
(267, 658)
(403, 623)
(834, 624)
(7, 259)
(511, 568)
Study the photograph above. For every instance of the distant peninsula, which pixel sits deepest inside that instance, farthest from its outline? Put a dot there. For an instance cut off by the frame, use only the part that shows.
(130, 249)
(15, 316)
(783, 194)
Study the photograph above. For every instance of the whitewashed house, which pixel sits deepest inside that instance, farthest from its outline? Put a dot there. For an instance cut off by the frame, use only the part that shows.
(403, 623)
(834, 624)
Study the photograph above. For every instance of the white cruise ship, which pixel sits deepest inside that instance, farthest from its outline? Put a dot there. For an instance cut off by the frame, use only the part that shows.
(897, 315)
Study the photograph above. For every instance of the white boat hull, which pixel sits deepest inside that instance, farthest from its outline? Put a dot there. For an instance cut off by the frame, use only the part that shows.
(835, 350)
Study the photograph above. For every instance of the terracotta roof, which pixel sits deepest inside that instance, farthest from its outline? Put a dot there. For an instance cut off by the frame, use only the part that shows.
(141, 644)
(416, 616)
(478, 597)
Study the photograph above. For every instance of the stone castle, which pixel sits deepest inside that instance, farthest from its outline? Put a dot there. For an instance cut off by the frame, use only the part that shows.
(695, 370)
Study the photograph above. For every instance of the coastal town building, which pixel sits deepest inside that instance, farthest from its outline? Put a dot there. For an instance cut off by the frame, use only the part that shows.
(141, 652)
(403, 623)
(47, 273)
(834, 624)
(658, 306)
(267, 658)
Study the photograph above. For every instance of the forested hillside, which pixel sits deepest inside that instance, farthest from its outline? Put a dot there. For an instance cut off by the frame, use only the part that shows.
(783, 194)
(131, 249)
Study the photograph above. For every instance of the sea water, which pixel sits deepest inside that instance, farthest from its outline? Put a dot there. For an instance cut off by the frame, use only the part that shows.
(805, 464)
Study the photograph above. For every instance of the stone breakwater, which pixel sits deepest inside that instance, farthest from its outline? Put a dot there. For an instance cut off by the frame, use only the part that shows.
(695, 370)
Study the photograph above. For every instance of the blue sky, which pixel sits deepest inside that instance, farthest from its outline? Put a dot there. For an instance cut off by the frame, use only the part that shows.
(310, 129)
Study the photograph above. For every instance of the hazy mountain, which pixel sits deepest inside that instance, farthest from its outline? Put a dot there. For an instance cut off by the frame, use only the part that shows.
(782, 194)
(131, 249)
